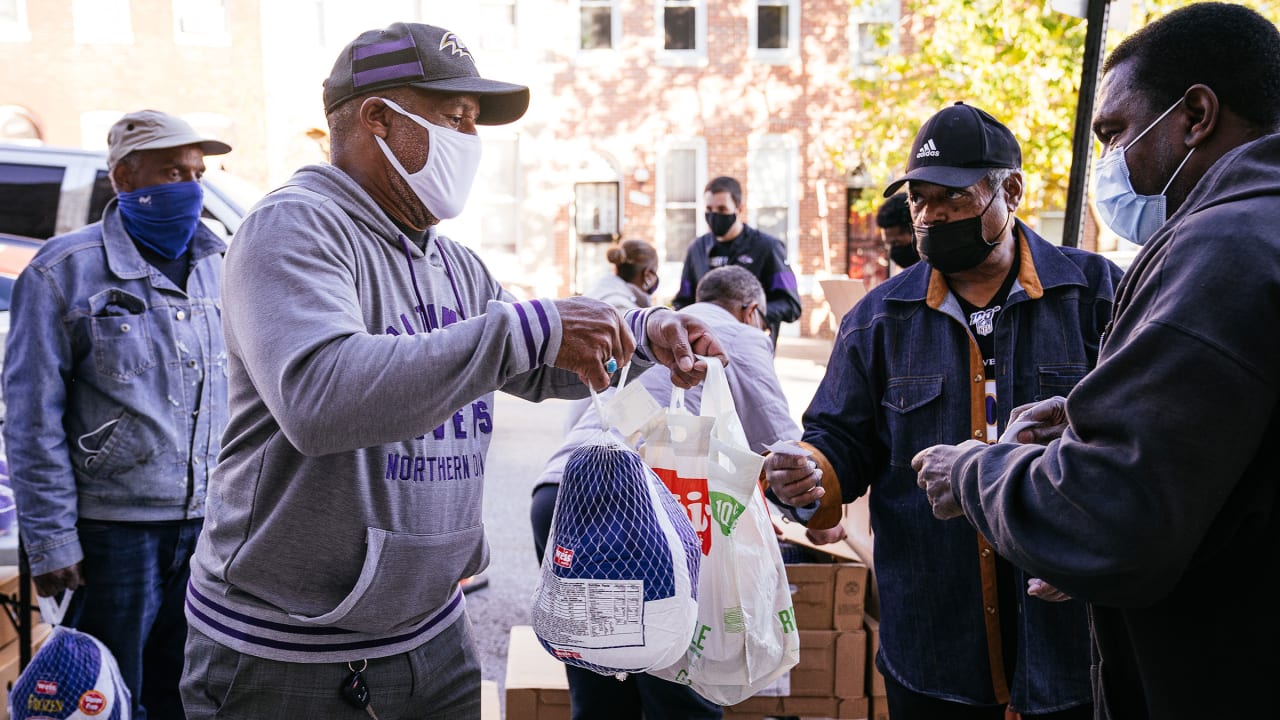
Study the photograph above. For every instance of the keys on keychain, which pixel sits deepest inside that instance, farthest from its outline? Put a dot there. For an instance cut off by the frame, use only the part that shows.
(355, 691)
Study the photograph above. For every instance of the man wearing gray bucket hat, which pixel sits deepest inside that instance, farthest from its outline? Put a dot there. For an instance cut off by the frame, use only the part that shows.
(364, 351)
(990, 319)
(116, 367)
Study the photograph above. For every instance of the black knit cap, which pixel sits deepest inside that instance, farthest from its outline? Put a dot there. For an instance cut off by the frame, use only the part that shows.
(957, 146)
(421, 56)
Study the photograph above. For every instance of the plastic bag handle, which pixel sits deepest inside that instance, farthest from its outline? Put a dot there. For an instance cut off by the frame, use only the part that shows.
(52, 611)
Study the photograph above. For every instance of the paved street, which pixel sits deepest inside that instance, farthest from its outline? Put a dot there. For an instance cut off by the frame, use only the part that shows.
(525, 435)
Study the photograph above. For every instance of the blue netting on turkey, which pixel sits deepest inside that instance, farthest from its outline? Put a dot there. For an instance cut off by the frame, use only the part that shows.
(607, 527)
(72, 676)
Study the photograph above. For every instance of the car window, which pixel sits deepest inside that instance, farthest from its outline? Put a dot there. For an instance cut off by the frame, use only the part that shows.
(101, 195)
(29, 199)
(6, 291)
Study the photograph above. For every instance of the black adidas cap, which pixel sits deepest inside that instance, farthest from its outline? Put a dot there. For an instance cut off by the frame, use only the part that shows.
(421, 56)
(957, 146)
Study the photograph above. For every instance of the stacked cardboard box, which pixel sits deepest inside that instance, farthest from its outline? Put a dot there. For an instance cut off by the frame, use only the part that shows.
(537, 688)
(875, 681)
(9, 655)
(830, 680)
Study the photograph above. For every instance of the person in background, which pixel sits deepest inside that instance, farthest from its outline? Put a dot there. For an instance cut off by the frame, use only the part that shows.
(733, 242)
(1156, 497)
(635, 276)
(993, 317)
(364, 349)
(730, 302)
(118, 369)
(894, 220)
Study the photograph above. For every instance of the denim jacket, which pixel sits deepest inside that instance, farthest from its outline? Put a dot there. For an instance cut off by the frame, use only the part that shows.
(116, 384)
(905, 374)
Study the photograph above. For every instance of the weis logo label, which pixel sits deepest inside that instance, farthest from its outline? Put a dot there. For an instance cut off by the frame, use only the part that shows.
(563, 557)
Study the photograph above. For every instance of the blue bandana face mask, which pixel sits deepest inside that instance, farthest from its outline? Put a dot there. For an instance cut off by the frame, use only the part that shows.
(1132, 216)
(163, 217)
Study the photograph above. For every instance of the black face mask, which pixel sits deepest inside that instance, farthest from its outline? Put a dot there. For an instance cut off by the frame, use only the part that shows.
(719, 223)
(955, 246)
(904, 256)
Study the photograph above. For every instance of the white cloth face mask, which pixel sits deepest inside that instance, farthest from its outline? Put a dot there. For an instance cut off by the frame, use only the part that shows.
(1132, 216)
(453, 158)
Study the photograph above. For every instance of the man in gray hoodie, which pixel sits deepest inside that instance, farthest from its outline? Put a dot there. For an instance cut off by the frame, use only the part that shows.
(364, 350)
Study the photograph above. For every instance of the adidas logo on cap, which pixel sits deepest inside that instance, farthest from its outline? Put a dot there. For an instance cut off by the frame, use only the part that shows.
(928, 149)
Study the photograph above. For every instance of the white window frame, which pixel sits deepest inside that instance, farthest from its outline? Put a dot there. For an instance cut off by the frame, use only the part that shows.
(695, 56)
(873, 12)
(670, 269)
(757, 144)
(615, 26)
(20, 29)
(774, 56)
(216, 38)
(91, 27)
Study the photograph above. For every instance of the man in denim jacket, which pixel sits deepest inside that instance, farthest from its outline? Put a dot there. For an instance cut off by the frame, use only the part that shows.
(116, 381)
(993, 318)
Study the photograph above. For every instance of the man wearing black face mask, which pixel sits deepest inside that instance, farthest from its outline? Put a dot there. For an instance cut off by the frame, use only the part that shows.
(733, 242)
(894, 220)
(993, 318)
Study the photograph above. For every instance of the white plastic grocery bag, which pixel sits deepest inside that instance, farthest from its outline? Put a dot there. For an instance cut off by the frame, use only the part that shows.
(617, 592)
(73, 676)
(746, 635)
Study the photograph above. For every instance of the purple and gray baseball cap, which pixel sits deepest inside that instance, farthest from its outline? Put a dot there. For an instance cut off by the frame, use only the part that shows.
(421, 56)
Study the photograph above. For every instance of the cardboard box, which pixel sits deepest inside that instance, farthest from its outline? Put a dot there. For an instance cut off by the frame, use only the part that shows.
(875, 681)
(810, 707)
(854, 709)
(832, 665)
(9, 588)
(879, 709)
(828, 596)
(490, 704)
(537, 687)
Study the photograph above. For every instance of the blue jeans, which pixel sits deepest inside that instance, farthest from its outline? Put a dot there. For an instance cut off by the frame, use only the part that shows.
(592, 695)
(135, 584)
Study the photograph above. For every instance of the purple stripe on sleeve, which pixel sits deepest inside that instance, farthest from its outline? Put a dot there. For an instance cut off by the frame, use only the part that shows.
(403, 43)
(785, 280)
(545, 324)
(528, 335)
(391, 72)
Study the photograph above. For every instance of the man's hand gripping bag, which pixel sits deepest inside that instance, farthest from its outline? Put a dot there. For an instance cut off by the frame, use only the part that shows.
(746, 635)
(72, 677)
(617, 592)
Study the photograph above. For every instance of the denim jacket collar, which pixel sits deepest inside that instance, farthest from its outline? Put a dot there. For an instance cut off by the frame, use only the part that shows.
(123, 257)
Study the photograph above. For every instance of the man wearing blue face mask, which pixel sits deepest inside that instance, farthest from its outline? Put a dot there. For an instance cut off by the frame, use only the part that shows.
(115, 375)
(1155, 498)
(993, 317)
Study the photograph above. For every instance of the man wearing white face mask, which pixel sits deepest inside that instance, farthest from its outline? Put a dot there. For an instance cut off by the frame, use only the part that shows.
(1155, 499)
(363, 353)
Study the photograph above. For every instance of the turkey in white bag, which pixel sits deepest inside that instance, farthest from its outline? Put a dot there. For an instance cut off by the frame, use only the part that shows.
(617, 592)
(746, 636)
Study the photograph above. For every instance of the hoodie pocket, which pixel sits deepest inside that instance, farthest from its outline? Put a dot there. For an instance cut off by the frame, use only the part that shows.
(405, 578)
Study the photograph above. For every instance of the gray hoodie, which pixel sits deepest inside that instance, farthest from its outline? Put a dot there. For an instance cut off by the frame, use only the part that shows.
(346, 505)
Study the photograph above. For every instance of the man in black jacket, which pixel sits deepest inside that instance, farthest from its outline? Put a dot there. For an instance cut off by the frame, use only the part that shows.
(733, 242)
(1156, 498)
